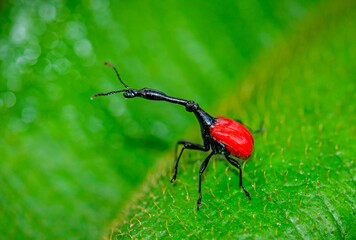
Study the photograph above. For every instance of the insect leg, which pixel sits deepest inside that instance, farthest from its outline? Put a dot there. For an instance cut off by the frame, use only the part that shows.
(202, 169)
(262, 128)
(237, 165)
(186, 145)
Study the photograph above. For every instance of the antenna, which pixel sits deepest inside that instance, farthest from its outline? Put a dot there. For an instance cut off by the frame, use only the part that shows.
(112, 92)
(105, 94)
(117, 73)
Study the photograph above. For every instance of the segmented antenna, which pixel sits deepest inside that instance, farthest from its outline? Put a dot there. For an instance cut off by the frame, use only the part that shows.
(105, 94)
(117, 73)
(112, 92)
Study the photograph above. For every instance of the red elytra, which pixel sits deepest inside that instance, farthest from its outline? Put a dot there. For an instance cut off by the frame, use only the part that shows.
(236, 137)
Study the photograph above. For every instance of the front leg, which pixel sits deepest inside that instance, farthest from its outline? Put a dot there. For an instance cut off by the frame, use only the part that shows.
(187, 145)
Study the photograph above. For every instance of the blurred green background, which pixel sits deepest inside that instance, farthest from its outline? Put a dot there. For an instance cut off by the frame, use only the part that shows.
(68, 164)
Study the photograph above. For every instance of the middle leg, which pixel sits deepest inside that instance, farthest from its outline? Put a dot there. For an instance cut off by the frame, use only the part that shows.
(202, 169)
(237, 165)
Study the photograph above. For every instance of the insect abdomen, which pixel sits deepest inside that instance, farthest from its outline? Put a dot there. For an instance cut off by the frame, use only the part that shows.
(236, 137)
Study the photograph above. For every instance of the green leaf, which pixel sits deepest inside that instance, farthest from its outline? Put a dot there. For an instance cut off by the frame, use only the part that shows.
(301, 176)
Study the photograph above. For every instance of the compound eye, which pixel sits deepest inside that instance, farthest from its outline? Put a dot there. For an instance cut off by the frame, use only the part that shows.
(129, 94)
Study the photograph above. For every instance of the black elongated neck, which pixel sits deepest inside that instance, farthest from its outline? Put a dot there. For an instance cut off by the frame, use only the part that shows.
(152, 94)
(204, 118)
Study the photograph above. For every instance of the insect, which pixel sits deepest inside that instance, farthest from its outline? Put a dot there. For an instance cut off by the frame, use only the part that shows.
(220, 135)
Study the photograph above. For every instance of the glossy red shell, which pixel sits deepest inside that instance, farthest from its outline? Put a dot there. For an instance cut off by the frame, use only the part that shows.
(236, 137)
